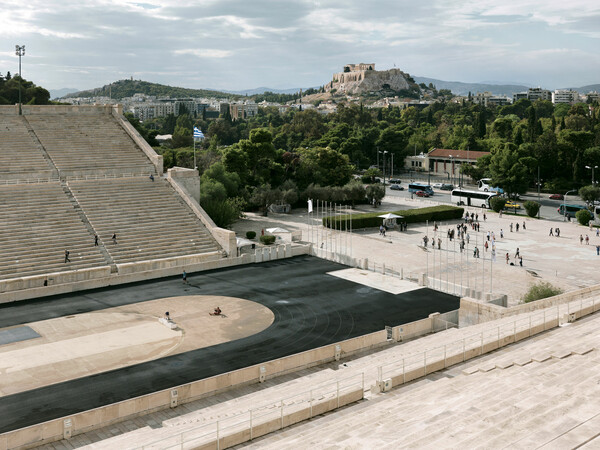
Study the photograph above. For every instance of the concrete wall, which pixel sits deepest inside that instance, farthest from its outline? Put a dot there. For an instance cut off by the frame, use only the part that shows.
(473, 311)
(80, 280)
(225, 238)
(187, 179)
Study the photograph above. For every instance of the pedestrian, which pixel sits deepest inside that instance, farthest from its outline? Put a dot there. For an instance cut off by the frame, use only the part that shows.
(580, 239)
(501, 233)
(597, 231)
(524, 227)
(425, 239)
(484, 217)
(95, 240)
(380, 230)
(488, 235)
(493, 237)
(517, 253)
(598, 250)
(476, 217)
(500, 215)
(511, 225)
(462, 245)
(551, 233)
(151, 177)
(184, 276)
(587, 240)
(475, 252)
(557, 232)
(478, 253)
(485, 246)
(114, 238)
(507, 257)
(517, 227)
(521, 261)
(67, 253)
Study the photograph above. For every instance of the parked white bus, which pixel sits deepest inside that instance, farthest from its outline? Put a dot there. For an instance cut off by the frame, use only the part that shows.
(472, 198)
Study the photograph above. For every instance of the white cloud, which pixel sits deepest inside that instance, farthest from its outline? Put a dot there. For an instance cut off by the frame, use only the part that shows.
(205, 52)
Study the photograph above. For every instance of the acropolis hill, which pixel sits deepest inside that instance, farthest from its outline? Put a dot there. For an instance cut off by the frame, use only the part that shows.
(362, 78)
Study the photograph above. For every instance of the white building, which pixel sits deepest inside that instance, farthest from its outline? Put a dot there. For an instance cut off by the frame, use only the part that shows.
(565, 96)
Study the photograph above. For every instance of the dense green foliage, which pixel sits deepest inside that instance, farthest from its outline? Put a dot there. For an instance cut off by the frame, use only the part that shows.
(370, 220)
(497, 203)
(127, 88)
(541, 290)
(250, 234)
(267, 239)
(30, 93)
(531, 208)
(583, 217)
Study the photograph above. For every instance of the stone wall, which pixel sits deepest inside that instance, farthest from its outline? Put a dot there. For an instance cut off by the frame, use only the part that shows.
(360, 81)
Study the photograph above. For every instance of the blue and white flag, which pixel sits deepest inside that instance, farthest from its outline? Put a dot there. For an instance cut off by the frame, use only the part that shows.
(198, 134)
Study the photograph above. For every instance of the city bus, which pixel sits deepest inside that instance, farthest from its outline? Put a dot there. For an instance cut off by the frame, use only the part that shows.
(571, 210)
(484, 185)
(471, 198)
(414, 187)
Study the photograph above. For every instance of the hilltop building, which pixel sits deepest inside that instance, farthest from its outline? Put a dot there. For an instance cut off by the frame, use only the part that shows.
(361, 78)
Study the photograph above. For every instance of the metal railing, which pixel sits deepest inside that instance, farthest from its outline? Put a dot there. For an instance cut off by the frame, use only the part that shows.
(473, 345)
(273, 412)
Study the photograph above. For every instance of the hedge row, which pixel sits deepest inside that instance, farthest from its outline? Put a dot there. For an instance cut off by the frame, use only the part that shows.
(370, 220)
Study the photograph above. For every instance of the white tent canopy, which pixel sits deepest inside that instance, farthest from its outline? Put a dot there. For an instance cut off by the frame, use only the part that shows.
(242, 242)
(276, 230)
(390, 216)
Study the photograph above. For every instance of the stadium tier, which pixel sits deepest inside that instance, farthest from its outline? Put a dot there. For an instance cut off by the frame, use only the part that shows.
(37, 225)
(149, 219)
(80, 143)
(20, 156)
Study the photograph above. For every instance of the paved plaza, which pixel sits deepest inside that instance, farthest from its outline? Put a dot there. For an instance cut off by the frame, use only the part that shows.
(562, 261)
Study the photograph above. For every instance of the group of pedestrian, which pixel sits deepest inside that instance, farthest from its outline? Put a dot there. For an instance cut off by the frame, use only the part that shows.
(96, 243)
(554, 232)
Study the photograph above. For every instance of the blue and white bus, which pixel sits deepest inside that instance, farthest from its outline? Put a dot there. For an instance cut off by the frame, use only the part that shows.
(472, 198)
(415, 187)
(484, 185)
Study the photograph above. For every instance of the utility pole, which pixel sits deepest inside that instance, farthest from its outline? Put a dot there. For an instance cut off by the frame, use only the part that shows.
(20, 51)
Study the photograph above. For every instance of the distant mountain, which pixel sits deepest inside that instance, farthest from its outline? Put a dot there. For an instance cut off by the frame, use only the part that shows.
(459, 88)
(58, 93)
(127, 88)
(587, 89)
(262, 90)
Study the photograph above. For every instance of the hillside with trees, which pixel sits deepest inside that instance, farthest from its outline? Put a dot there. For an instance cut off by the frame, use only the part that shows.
(127, 88)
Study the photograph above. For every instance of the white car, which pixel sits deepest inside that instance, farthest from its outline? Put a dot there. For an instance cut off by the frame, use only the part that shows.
(437, 185)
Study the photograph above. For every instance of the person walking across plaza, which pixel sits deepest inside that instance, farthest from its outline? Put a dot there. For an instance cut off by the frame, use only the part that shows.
(114, 238)
(95, 240)
(587, 240)
(507, 258)
(517, 253)
(184, 276)
(580, 239)
(551, 232)
(67, 253)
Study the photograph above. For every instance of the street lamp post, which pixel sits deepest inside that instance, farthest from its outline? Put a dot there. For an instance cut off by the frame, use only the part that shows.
(565, 204)
(539, 198)
(592, 167)
(384, 153)
(452, 167)
(20, 51)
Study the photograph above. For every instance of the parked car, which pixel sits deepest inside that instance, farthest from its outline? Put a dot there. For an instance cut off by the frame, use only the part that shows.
(511, 205)
(557, 197)
(437, 185)
(395, 181)
(422, 194)
(447, 187)
(396, 187)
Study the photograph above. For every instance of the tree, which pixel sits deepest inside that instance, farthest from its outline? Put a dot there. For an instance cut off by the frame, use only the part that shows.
(583, 217)
(323, 166)
(264, 196)
(539, 291)
(508, 171)
(590, 194)
(229, 181)
(532, 208)
(375, 194)
(497, 203)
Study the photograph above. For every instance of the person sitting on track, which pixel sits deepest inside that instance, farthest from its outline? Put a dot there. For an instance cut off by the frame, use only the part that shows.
(217, 311)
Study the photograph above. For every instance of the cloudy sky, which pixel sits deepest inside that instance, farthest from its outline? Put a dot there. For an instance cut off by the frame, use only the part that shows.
(241, 44)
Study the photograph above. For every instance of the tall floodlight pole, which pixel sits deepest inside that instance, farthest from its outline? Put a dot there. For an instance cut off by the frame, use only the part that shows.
(592, 167)
(20, 51)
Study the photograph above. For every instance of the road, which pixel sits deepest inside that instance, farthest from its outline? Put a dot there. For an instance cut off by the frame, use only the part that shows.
(311, 309)
(548, 210)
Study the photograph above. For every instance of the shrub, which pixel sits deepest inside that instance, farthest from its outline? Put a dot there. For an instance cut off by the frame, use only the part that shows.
(539, 291)
(531, 207)
(375, 193)
(370, 220)
(223, 213)
(250, 234)
(267, 239)
(497, 203)
(583, 217)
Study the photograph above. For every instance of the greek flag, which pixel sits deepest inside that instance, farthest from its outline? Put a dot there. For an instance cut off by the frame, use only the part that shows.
(198, 134)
